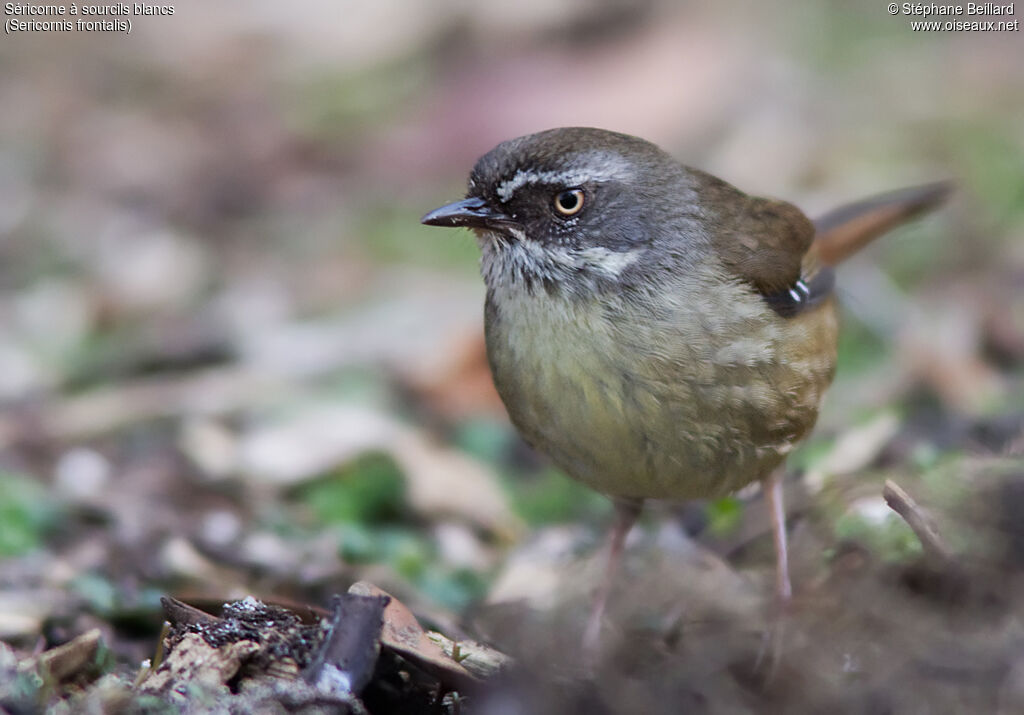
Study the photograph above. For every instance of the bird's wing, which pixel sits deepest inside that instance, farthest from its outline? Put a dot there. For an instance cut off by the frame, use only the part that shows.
(787, 258)
(768, 244)
(761, 241)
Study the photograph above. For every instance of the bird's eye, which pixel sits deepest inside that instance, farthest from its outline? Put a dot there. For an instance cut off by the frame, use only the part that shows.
(569, 202)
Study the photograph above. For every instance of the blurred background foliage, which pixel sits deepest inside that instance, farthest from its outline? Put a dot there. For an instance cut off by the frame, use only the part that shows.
(231, 359)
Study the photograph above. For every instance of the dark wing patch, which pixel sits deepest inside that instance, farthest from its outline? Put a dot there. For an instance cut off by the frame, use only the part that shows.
(804, 295)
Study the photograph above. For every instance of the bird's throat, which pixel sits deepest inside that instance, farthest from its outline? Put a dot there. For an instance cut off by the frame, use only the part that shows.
(522, 262)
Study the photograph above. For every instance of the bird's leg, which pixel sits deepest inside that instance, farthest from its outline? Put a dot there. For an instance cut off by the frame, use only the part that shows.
(626, 513)
(772, 644)
(773, 492)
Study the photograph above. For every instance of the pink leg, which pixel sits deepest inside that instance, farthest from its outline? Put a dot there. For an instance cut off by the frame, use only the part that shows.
(773, 643)
(626, 513)
(773, 491)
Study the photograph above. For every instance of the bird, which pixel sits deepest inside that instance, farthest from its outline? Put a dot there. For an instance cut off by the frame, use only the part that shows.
(653, 330)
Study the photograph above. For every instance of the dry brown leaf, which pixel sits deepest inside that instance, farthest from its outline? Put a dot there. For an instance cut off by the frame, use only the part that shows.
(478, 658)
(66, 661)
(462, 387)
(403, 634)
(854, 450)
(440, 481)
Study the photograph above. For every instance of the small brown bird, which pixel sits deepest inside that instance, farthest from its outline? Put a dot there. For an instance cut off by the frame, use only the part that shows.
(652, 329)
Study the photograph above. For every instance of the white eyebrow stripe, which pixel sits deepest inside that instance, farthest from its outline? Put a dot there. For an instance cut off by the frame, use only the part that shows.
(601, 167)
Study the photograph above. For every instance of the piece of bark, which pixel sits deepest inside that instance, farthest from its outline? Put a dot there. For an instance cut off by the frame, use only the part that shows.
(182, 614)
(344, 665)
(193, 660)
(404, 635)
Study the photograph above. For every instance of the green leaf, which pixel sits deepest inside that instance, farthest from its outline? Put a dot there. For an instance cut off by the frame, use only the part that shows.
(371, 489)
(486, 439)
(724, 515)
(891, 539)
(97, 591)
(551, 497)
(452, 589)
(27, 514)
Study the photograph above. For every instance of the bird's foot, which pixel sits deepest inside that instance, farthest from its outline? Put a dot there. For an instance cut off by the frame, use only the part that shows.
(773, 639)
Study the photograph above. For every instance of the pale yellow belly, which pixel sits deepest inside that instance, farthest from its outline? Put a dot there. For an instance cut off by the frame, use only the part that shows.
(639, 408)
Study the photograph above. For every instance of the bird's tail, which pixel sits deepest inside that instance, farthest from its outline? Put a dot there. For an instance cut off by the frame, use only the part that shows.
(845, 230)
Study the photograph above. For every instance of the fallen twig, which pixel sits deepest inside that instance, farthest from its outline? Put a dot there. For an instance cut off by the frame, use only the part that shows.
(918, 521)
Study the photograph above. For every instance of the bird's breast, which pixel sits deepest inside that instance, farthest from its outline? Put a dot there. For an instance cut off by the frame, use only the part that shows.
(692, 395)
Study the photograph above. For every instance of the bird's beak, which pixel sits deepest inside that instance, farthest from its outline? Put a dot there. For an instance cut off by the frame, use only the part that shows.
(471, 213)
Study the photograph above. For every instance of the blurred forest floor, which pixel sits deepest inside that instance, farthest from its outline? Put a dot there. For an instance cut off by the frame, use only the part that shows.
(232, 362)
